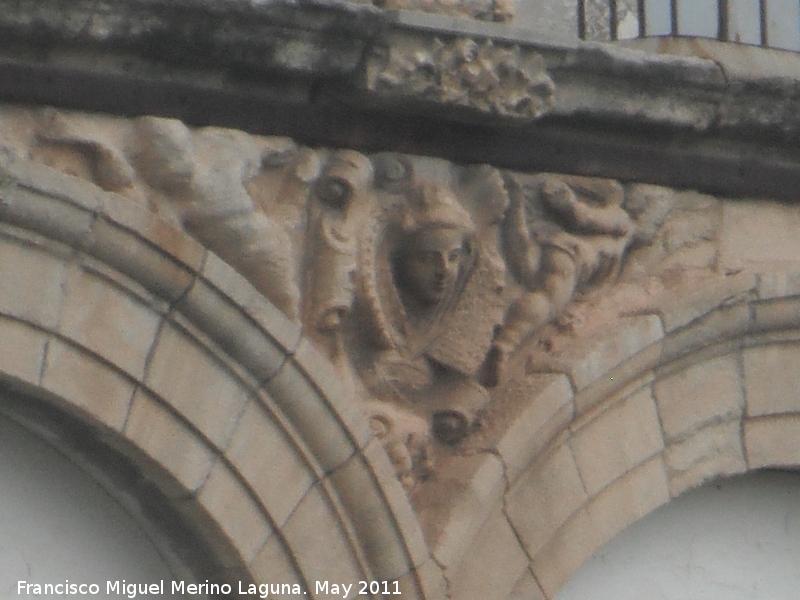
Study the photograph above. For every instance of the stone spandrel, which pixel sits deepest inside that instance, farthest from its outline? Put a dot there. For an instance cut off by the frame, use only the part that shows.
(419, 279)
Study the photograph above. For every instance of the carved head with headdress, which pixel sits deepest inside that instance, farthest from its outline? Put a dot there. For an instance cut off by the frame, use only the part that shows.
(435, 252)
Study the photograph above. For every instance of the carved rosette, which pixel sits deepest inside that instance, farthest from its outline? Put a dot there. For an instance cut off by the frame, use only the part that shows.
(481, 75)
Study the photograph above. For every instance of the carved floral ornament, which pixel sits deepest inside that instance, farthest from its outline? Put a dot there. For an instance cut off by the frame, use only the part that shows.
(423, 281)
(482, 75)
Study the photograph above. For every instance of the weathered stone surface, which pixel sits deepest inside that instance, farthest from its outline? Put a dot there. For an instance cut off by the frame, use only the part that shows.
(33, 284)
(526, 588)
(758, 235)
(771, 379)
(708, 391)
(306, 409)
(549, 410)
(485, 10)
(454, 509)
(772, 441)
(486, 76)
(683, 310)
(631, 336)
(88, 383)
(544, 497)
(197, 384)
(239, 516)
(493, 564)
(714, 451)
(777, 314)
(315, 519)
(108, 321)
(23, 350)
(168, 441)
(353, 479)
(273, 564)
(641, 491)
(266, 456)
(627, 500)
(778, 284)
(721, 325)
(618, 439)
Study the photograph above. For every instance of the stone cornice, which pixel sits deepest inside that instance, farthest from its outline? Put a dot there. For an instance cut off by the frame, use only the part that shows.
(301, 69)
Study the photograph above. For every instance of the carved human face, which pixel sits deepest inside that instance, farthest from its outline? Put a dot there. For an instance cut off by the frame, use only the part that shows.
(432, 264)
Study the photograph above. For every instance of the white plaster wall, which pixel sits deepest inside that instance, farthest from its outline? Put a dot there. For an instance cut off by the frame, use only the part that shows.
(737, 539)
(58, 524)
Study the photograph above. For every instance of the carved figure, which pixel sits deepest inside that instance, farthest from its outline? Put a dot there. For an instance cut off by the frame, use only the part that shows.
(431, 292)
(561, 236)
(205, 174)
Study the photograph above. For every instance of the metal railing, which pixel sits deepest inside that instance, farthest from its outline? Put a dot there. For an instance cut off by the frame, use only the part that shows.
(769, 23)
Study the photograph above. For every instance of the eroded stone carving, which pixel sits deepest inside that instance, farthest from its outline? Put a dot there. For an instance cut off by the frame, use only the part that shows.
(205, 174)
(432, 287)
(482, 75)
(418, 278)
(562, 236)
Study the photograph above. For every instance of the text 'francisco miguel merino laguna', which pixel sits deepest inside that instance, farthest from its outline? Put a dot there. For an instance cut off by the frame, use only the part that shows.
(263, 590)
(132, 590)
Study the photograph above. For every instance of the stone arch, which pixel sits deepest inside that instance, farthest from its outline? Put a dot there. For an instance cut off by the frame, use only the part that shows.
(620, 432)
(176, 362)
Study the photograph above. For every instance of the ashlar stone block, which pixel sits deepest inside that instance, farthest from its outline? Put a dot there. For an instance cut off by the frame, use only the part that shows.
(32, 283)
(712, 451)
(264, 453)
(375, 523)
(544, 497)
(493, 565)
(527, 588)
(758, 232)
(705, 392)
(168, 441)
(315, 519)
(22, 350)
(273, 565)
(772, 379)
(549, 409)
(197, 384)
(641, 491)
(107, 320)
(87, 383)
(628, 499)
(620, 438)
(772, 441)
(630, 336)
(232, 507)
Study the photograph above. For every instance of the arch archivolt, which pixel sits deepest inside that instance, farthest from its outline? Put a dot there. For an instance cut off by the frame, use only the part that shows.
(649, 409)
(113, 316)
(634, 342)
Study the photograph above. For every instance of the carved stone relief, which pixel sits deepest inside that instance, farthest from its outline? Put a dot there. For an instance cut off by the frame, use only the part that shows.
(418, 278)
(493, 78)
